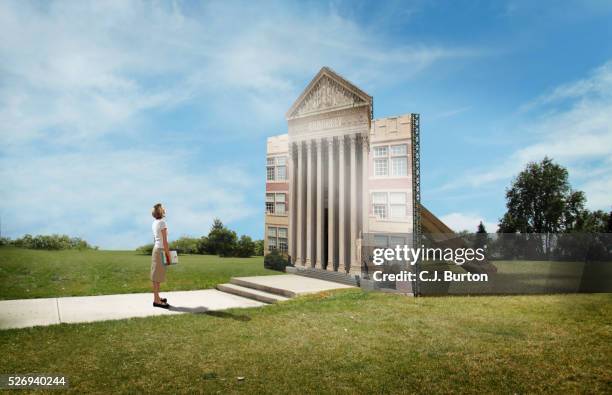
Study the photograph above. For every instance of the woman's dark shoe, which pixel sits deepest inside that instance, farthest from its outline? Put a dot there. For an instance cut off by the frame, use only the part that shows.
(164, 300)
(162, 305)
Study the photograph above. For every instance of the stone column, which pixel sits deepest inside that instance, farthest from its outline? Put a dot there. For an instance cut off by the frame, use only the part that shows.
(320, 210)
(309, 145)
(300, 206)
(341, 207)
(331, 201)
(290, 197)
(355, 267)
(365, 174)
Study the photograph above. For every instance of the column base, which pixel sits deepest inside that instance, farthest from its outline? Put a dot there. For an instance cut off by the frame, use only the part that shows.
(308, 262)
(318, 265)
(298, 262)
(355, 270)
(330, 266)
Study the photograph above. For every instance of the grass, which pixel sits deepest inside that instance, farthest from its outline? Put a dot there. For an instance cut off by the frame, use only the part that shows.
(37, 274)
(337, 342)
(527, 277)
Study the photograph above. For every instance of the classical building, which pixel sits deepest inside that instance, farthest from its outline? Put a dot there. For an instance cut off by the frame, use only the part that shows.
(337, 175)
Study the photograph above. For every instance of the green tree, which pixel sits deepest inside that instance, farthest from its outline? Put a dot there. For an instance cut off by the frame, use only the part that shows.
(609, 223)
(221, 241)
(245, 247)
(482, 237)
(592, 222)
(259, 247)
(202, 246)
(540, 200)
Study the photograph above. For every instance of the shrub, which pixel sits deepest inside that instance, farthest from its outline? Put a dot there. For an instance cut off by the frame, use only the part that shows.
(275, 261)
(245, 247)
(202, 245)
(52, 242)
(221, 240)
(259, 247)
(146, 249)
(185, 245)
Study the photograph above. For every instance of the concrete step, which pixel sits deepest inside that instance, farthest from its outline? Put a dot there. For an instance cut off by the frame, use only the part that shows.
(270, 289)
(251, 293)
(338, 277)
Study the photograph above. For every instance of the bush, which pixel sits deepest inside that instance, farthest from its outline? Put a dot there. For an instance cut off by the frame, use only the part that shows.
(185, 245)
(275, 261)
(52, 242)
(259, 247)
(245, 247)
(146, 249)
(221, 240)
(202, 245)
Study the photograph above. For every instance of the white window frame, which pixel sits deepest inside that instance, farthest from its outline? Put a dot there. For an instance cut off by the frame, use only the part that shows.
(275, 200)
(377, 205)
(383, 160)
(274, 164)
(276, 241)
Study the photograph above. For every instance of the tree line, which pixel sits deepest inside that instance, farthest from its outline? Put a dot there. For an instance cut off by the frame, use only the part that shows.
(220, 241)
(48, 242)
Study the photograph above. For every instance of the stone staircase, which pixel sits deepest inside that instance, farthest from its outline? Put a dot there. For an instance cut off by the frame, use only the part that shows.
(251, 293)
(337, 277)
(277, 288)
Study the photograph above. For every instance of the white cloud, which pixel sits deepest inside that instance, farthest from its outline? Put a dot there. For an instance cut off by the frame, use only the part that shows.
(574, 128)
(106, 197)
(467, 221)
(80, 69)
(80, 79)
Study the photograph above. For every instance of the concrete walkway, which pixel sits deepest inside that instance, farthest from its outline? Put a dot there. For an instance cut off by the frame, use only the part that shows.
(242, 292)
(23, 313)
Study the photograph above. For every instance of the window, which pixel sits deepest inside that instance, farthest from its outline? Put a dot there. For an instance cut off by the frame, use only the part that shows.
(399, 166)
(391, 160)
(399, 150)
(379, 205)
(380, 151)
(276, 168)
(280, 204)
(391, 205)
(269, 203)
(277, 239)
(397, 205)
(276, 203)
(282, 240)
(380, 241)
(380, 167)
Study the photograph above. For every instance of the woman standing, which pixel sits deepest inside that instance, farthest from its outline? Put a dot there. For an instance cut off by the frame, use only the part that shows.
(160, 245)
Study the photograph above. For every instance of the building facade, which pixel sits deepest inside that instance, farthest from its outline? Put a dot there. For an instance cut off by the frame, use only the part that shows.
(337, 175)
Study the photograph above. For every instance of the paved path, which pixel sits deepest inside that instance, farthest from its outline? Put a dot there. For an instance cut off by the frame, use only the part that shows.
(23, 313)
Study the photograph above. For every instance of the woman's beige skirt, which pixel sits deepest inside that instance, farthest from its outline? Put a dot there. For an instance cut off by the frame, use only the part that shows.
(158, 271)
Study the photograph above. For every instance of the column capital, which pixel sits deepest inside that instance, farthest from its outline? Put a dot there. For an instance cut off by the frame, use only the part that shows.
(353, 138)
(318, 142)
(341, 143)
(331, 141)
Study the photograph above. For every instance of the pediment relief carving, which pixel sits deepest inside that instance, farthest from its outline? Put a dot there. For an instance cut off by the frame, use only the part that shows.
(328, 92)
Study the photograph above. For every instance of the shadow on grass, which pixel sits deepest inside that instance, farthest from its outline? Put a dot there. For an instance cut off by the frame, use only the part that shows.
(212, 313)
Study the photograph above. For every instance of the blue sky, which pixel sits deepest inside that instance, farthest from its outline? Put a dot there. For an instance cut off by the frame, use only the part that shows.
(108, 107)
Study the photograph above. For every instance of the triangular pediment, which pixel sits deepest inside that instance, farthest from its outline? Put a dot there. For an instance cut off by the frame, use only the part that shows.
(327, 92)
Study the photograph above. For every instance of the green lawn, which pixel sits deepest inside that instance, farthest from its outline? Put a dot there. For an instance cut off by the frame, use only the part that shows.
(526, 277)
(340, 342)
(36, 274)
